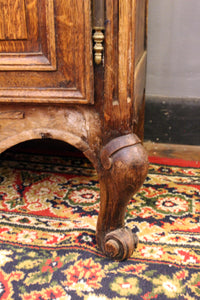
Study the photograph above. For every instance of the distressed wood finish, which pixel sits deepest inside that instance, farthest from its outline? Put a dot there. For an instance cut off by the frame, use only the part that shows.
(50, 87)
(119, 61)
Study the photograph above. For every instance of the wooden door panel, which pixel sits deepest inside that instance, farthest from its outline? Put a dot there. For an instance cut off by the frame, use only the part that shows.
(13, 20)
(26, 43)
(46, 51)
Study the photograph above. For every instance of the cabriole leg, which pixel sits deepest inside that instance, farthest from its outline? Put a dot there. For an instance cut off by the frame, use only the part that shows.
(124, 168)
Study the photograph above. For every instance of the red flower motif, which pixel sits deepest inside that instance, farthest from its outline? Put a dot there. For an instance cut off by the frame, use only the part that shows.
(52, 265)
(148, 296)
(4, 229)
(187, 257)
(51, 293)
(134, 269)
(86, 270)
(181, 275)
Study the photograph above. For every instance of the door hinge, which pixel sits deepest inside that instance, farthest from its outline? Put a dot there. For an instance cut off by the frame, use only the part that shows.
(98, 30)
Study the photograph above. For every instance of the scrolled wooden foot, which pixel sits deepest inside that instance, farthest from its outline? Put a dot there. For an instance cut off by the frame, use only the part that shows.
(124, 169)
(120, 243)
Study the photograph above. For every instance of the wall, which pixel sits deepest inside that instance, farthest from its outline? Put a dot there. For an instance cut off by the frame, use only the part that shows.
(173, 72)
(174, 48)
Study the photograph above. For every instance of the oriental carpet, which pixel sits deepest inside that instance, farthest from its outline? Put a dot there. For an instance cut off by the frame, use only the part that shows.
(48, 212)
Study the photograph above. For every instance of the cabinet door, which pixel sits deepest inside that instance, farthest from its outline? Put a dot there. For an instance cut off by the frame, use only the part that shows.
(46, 51)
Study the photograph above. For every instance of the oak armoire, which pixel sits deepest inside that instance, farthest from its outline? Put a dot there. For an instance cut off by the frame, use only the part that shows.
(74, 70)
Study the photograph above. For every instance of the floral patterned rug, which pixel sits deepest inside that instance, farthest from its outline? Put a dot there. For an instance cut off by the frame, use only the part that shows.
(48, 212)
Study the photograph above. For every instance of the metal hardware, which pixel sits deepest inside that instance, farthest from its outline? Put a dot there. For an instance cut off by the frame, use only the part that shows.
(98, 27)
(98, 38)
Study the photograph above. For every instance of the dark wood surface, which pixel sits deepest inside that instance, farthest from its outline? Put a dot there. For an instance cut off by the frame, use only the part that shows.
(50, 87)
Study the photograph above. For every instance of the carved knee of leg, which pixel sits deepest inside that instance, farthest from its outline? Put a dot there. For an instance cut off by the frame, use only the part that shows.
(130, 166)
(127, 161)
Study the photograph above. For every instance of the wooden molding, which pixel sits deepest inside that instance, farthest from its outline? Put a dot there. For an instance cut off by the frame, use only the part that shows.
(56, 54)
(21, 57)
